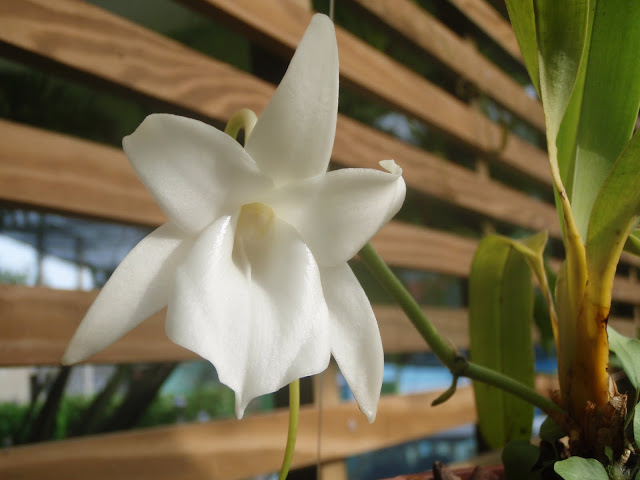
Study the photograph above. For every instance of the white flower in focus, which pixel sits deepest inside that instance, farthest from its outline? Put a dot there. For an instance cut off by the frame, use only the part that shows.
(253, 260)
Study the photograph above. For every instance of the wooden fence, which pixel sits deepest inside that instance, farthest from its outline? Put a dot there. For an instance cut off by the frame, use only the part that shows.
(55, 172)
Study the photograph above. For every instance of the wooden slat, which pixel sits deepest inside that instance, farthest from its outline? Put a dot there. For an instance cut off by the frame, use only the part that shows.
(434, 37)
(54, 171)
(421, 248)
(37, 323)
(365, 68)
(355, 145)
(50, 170)
(492, 23)
(231, 449)
(86, 39)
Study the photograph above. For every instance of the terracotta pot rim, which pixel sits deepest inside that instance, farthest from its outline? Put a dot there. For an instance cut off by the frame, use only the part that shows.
(464, 472)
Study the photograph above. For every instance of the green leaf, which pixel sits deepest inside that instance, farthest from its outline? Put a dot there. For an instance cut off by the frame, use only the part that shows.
(550, 431)
(577, 468)
(608, 104)
(500, 314)
(523, 21)
(542, 312)
(632, 245)
(519, 458)
(613, 217)
(627, 351)
(561, 29)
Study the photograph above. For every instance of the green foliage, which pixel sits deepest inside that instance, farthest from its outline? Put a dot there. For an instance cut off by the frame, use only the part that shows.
(614, 215)
(541, 313)
(636, 425)
(9, 277)
(12, 417)
(519, 458)
(208, 402)
(627, 351)
(166, 409)
(500, 314)
(576, 468)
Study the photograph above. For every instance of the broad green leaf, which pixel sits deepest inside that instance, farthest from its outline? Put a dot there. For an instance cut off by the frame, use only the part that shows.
(562, 32)
(578, 468)
(523, 21)
(532, 248)
(500, 311)
(614, 215)
(609, 102)
(550, 431)
(561, 29)
(636, 424)
(627, 351)
(566, 139)
(519, 458)
(632, 245)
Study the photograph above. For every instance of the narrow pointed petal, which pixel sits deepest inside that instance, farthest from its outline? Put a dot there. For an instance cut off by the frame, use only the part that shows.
(252, 308)
(195, 172)
(294, 135)
(138, 288)
(355, 338)
(337, 213)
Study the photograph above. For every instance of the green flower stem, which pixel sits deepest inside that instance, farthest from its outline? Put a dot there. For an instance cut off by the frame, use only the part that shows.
(446, 353)
(243, 118)
(294, 410)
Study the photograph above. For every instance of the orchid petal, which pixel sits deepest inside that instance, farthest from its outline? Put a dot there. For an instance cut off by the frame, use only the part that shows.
(195, 172)
(294, 135)
(138, 288)
(337, 213)
(355, 338)
(253, 307)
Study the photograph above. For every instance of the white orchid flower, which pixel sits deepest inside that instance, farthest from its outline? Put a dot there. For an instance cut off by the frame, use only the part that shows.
(252, 262)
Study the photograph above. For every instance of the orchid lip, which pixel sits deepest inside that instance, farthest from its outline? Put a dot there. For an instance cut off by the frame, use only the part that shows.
(255, 220)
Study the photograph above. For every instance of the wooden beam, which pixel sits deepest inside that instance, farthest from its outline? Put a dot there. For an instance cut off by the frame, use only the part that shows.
(426, 31)
(491, 23)
(355, 145)
(36, 325)
(232, 449)
(54, 171)
(82, 39)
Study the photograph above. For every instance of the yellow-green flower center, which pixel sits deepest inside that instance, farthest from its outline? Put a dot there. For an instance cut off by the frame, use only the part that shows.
(255, 220)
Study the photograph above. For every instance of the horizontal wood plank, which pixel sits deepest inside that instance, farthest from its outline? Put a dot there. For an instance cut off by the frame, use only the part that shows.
(83, 38)
(492, 23)
(461, 56)
(355, 145)
(362, 67)
(54, 171)
(232, 449)
(36, 325)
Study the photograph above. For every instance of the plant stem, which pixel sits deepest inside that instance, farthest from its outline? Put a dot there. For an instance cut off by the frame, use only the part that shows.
(294, 410)
(446, 353)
